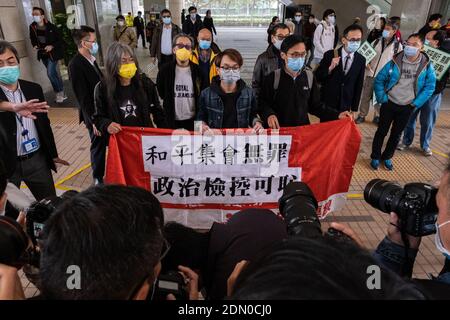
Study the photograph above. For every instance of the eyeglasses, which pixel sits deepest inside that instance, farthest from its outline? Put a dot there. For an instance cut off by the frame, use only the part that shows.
(181, 46)
(297, 55)
(166, 16)
(280, 37)
(353, 39)
(227, 68)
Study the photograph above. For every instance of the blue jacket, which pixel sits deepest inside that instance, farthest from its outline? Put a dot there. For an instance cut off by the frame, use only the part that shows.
(211, 106)
(389, 76)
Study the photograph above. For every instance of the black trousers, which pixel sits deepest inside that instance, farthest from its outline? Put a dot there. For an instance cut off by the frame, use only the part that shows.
(36, 174)
(394, 115)
(164, 59)
(98, 154)
(141, 33)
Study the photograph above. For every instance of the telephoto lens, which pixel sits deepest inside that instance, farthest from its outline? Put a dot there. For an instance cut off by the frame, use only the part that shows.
(415, 204)
(298, 206)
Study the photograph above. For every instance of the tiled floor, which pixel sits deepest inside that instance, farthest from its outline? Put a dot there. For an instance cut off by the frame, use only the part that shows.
(370, 224)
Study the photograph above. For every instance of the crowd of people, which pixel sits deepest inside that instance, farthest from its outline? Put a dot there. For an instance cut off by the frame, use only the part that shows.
(307, 68)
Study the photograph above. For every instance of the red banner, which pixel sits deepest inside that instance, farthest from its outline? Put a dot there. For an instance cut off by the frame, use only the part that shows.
(202, 179)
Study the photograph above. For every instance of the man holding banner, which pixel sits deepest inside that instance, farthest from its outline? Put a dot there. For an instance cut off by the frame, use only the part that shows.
(290, 93)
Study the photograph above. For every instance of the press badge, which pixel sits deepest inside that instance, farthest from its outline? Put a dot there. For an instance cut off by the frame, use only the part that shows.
(30, 146)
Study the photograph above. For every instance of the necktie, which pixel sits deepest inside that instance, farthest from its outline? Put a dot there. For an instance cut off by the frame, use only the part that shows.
(347, 58)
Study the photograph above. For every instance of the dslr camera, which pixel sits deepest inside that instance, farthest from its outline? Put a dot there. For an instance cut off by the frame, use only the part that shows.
(298, 207)
(415, 204)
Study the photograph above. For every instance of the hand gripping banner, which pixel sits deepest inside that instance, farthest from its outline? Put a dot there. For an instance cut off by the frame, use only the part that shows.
(201, 179)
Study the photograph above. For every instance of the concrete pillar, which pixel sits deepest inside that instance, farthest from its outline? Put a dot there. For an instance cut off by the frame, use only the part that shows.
(175, 6)
(414, 14)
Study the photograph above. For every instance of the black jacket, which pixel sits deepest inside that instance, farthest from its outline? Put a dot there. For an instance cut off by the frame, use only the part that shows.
(84, 77)
(8, 130)
(267, 62)
(139, 23)
(52, 37)
(155, 48)
(208, 23)
(144, 96)
(192, 29)
(339, 90)
(293, 100)
(165, 82)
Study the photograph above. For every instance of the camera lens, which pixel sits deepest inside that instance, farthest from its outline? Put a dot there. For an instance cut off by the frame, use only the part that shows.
(298, 206)
(383, 195)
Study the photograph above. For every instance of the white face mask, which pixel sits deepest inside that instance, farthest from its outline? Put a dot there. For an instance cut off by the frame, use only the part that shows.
(37, 19)
(121, 23)
(438, 240)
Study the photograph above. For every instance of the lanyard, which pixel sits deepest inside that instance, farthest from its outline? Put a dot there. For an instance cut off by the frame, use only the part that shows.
(20, 119)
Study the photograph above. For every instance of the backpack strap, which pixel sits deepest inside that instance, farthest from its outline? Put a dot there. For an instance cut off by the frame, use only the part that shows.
(310, 75)
(276, 79)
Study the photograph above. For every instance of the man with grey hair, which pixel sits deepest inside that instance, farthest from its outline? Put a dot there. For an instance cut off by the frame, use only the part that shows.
(386, 47)
(179, 85)
(27, 146)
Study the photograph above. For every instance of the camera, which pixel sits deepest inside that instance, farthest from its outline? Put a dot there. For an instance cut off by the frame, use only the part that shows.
(298, 206)
(171, 282)
(415, 204)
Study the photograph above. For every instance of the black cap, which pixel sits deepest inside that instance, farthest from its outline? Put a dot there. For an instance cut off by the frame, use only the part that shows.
(120, 17)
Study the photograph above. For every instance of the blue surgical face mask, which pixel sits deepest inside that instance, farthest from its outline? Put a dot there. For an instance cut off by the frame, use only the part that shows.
(277, 44)
(295, 64)
(438, 240)
(37, 19)
(427, 42)
(204, 44)
(298, 18)
(94, 48)
(353, 46)
(9, 75)
(332, 20)
(410, 51)
(386, 34)
(193, 16)
(167, 20)
(230, 76)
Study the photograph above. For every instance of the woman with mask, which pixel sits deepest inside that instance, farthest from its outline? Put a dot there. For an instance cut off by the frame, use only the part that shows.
(179, 85)
(377, 31)
(125, 97)
(228, 102)
(275, 21)
(208, 23)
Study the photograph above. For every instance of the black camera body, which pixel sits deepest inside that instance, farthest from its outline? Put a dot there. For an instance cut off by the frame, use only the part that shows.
(415, 204)
(171, 282)
(37, 215)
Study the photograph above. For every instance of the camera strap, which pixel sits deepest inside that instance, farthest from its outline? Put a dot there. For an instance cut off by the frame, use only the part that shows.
(405, 268)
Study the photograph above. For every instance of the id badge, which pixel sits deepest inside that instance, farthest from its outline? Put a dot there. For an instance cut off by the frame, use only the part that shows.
(30, 146)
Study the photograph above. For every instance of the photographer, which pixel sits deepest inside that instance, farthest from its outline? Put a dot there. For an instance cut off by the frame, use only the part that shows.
(214, 254)
(391, 251)
(114, 235)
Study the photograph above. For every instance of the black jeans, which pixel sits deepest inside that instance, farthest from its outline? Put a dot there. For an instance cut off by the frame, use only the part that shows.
(185, 124)
(397, 116)
(98, 154)
(141, 33)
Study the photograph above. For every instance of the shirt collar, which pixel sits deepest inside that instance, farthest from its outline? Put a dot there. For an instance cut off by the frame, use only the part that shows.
(11, 91)
(345, 54)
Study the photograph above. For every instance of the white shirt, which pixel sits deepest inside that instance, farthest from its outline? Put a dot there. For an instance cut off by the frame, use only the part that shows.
(166, 41)
(184, 94)
(28, 124)
(345, 54)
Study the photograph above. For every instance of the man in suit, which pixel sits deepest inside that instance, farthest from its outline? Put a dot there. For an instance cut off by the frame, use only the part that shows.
(341, 73)
(84, 74)
(193, 24)
(27, 146)
(163, 36)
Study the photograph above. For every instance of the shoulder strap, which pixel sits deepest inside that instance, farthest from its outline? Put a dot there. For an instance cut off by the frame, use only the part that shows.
(121, 34)
(310, 75)
(375, 43)
(276, 79)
